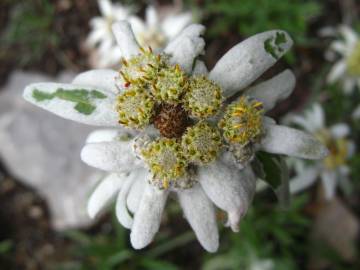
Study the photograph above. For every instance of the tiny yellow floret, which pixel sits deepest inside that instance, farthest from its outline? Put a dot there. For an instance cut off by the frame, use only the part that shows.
(243, 121)
(142, 68)
(165, 160)
(169, 85)
(203, 98)
(201, 143)
(135, 107)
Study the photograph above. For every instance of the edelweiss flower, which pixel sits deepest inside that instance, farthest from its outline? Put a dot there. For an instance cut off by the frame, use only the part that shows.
(347, 68)
(151, 32)
(158, 29)
(170, 140)
(101, 38)
(333, 170)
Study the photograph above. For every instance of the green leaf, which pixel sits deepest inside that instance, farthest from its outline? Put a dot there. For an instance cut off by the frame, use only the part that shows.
(81, 97)
(283, 191)
(269, 47)
(97, 94)
(271, 169)
(118, 258)
(85, 108)
(41, 96)
(272, 44)
(5, 246)
(157, 264)
(78, 237)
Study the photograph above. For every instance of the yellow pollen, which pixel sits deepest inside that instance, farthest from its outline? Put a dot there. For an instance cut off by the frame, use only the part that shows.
(242, 121)
(165, 160)
(338, 150)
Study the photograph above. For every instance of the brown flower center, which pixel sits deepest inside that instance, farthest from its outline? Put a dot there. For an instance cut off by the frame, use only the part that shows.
(171, 120)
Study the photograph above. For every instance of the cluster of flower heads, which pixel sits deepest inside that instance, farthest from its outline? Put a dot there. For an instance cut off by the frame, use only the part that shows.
(180, 106)
(180, 128)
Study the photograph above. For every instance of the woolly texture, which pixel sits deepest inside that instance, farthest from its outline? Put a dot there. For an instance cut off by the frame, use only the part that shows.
(200, 166)
(245, 62)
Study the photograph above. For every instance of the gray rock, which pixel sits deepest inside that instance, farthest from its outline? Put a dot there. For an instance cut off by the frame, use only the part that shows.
(43, 151)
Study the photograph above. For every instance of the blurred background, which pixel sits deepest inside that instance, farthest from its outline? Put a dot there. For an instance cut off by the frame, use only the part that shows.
(44, 186)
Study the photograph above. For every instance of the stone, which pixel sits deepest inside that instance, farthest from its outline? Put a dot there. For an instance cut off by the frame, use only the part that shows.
(336, 227)
(42, 150)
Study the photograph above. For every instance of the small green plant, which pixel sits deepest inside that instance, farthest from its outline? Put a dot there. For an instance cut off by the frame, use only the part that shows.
(249, 17)
(111, 250)
(5, 247)
(268, 237)
(29, 30)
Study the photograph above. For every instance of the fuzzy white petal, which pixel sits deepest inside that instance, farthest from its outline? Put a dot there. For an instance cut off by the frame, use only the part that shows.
(300, 121)
(136, 192)
(103, 115)
(304, 179)
(116, 156)
(151, 16)
(110, 58)
(102, 135)
(289, 141)
(104, 193)
(200, 68)
(349, 84)
(108, 135)
(313, 119)
(230, 189)
(138, 26)
(329, 181)
(97, 35)
(317, 116)
(350, 36)
(356, 113)
(148, 216)
(125, 38)
(336, 72)
(269, 121)
(105, 46)
(273, 90)
(340, 130)
(339, 47)
(351, 149)
(98, 78)
(199, 211)
(245, 62)
(187, 46)
(122, 212)
(174, 23)
(105, 7)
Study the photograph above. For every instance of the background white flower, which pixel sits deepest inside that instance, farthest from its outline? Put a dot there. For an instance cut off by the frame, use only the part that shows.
(347, 68)
(155, 31)
(333, 170)
(91, 99)
(159, 28)
(101, 39)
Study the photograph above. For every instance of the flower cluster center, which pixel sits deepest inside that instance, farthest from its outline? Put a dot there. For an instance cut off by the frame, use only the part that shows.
(171, 120)
(338, 150)
(177, 104)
